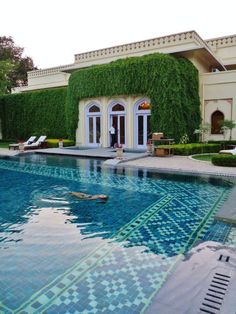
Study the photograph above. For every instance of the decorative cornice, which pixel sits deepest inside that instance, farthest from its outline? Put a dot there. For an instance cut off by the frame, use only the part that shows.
(222, 41)
(49, 71)
(130, 48)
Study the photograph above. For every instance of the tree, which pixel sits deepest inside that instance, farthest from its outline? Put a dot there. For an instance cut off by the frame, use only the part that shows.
(203, 131)
(227, 125)
(6, 68)
(9, 52)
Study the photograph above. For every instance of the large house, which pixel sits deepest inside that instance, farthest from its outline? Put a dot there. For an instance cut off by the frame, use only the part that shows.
(215, 60)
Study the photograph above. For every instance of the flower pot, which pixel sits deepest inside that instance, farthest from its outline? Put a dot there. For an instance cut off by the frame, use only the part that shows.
(21, 147)
(149, 148)
(119, 152)
(60, 143)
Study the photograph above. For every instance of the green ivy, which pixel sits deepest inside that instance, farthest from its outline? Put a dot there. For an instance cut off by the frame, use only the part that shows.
(33, 113)
(170, 83)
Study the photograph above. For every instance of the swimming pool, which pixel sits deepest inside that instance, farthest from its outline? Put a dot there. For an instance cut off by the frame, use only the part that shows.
(62, 255)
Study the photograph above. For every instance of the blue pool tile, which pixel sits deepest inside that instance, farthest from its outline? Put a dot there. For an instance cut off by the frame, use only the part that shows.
(84, 257)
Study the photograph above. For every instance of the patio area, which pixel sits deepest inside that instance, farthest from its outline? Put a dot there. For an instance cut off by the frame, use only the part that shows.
(181, 164)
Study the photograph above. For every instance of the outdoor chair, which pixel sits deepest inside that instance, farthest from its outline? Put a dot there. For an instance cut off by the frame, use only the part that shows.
(228, 151)
(37, 144)
(28, 142)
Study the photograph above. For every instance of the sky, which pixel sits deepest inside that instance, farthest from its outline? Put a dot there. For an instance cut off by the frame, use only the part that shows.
(53, 31)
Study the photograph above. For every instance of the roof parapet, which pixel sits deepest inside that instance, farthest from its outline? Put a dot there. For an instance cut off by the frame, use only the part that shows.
(130, 48)
(222, 41)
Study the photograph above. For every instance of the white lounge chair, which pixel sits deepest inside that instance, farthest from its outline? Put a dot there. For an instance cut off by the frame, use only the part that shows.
(28, 142)
(228, 151)
(36, 144)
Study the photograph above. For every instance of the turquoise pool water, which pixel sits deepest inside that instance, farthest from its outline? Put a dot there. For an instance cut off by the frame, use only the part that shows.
(62, 255)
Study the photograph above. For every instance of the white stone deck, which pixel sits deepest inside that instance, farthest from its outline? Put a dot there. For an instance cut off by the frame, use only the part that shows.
(177, 164)
(181, 164)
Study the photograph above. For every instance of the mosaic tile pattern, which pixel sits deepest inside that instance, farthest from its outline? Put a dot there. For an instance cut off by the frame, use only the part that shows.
(219, 232)
(123, 274)
(231, 237)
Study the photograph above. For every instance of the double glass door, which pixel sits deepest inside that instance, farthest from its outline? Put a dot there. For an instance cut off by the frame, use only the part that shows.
(118, 121)
(94, 130)
(143, 130)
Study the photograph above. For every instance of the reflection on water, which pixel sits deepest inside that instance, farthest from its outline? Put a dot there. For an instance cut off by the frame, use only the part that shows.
(136, 235)
(24, 195)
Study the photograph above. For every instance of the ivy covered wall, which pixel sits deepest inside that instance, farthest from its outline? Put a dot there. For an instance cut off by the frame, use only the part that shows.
(170, 83)
(33, 113)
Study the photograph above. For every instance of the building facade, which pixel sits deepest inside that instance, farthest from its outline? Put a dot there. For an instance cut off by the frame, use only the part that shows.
(215, 60)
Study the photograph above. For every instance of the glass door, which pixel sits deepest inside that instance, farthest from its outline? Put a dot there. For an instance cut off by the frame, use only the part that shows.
(94, 130)
(118, 121)
(144, 130)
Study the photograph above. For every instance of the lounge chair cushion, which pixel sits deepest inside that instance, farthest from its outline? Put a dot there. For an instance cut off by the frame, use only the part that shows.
(228, 151)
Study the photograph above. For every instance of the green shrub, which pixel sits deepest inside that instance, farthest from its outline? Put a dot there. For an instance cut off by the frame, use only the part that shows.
(223, 143)
(171, 84)
(192, 149)
(53, 143)
(224, 160)
(33, 113)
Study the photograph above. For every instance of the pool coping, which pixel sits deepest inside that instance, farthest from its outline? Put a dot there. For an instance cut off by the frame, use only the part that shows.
(180, 295)
(176, 171)
(227, 213)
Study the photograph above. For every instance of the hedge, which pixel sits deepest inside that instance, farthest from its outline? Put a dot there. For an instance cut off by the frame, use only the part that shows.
(33, 113)
(224, 160)
(171, 84)
(53, 143)
(192, 149)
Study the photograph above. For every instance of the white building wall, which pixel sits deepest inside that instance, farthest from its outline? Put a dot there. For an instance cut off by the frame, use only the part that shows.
(104, 102)
(219, 93)
(224, 48)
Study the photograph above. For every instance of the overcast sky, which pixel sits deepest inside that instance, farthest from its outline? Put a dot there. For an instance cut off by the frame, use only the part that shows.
(52, 31)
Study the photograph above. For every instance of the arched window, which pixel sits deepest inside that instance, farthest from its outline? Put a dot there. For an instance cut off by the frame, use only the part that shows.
(144, 106)
(94, 108)
(216, 119)
(118, 107)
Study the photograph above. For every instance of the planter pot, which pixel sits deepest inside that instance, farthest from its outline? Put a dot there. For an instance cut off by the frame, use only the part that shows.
(21, 147)
(149, 148)
(60, 143)
(119, 152)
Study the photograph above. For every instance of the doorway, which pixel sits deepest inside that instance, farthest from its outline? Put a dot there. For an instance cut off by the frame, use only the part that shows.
(117, 119)
(142, 130)
(93, 126)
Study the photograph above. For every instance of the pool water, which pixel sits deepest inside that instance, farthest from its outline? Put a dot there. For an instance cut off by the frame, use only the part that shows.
(62, 255)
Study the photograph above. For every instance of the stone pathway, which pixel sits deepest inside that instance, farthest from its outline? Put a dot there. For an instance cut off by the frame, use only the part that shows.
(7, 152)
(181, 164)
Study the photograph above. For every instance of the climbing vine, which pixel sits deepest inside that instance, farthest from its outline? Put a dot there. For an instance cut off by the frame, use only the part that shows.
(171, 84)
(33, 113)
